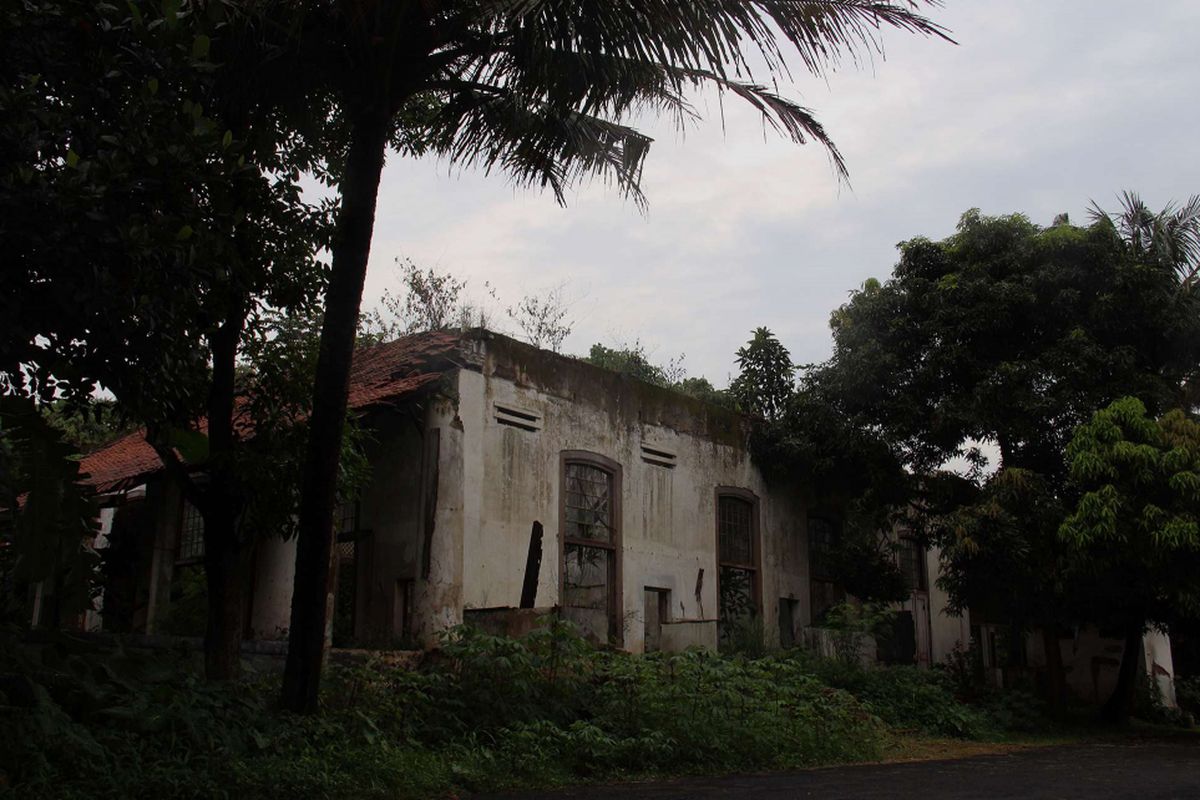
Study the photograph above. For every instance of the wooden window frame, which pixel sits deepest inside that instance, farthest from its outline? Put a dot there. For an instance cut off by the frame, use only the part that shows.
(616, 632)
(755, 565)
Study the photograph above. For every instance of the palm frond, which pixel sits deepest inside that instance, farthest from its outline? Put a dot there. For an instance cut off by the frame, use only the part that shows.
(536, 144)
(1170, 237)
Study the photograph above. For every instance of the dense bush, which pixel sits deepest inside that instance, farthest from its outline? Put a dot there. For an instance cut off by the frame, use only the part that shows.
(482, 712)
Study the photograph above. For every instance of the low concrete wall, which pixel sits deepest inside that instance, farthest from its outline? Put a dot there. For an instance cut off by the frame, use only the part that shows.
(681, 634)
(514, 622)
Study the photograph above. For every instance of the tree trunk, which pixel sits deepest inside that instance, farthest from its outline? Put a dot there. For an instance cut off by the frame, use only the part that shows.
(226, 557)
(1055, 674)
(1120, 703)
(227, 573)
(351, 249)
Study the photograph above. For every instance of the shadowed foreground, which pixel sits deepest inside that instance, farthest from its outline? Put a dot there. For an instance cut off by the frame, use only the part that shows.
(1142, 770)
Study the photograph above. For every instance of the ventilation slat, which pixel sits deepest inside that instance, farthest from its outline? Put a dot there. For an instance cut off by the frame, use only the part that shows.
(517, 417)
(658, 456)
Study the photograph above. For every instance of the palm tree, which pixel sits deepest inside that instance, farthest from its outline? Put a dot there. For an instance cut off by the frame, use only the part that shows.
(541, 90)
(1170, 237)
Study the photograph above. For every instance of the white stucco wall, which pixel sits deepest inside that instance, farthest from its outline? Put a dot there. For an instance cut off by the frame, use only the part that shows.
(946, 630)
(668, 521)
(274, 577)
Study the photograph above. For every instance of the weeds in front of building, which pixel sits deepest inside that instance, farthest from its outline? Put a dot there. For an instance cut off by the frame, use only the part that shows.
(482, 712)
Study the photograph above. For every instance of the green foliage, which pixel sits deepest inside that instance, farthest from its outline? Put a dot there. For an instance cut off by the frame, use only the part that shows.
(631, 361)
(856, 624)
(87, 426)
(912, 698)
(51, 516)
(1136, 524)
(765, 382)
(1011, 334)
(188, 611)
(1000, 549)
(482, 713)
(1187, 693)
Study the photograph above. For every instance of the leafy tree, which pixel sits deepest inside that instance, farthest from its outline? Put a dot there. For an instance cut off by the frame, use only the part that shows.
(49, 538)
(1013, 334)
(631, 361)
(1134, 532)
(838, 464)
(540, 91)
(87, 426)
(152, 218)
(766, 381)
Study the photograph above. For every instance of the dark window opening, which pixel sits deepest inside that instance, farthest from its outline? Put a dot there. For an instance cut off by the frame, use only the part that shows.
(191, 535)
(822, 541)
(788, 611)
(824, 596)
(657, 610)
(346, 548)
(737, 561)
(911, 557)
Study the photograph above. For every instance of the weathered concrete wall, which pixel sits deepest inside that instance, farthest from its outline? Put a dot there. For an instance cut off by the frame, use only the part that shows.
(1092, 661)
(274, 576)
(1160, 664)
(946, 630)
(511, 478)
(392, 580)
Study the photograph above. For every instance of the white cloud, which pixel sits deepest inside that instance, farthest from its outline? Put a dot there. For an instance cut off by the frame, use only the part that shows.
(1042, 107)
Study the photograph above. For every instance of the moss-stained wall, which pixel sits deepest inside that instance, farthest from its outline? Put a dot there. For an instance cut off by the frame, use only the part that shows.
(668, 515)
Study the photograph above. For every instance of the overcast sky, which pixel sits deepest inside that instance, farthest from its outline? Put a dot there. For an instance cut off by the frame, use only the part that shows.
(1041, 107)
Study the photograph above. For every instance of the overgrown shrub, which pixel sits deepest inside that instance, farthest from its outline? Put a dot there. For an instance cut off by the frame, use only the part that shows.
(483, 712)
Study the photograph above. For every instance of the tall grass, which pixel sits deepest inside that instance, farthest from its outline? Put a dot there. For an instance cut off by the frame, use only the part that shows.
(483, 712)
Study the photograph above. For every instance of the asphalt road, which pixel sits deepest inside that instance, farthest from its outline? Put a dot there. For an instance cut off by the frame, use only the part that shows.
(1145, 770)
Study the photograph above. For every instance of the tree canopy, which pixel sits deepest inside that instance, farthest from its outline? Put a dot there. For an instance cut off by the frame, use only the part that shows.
(1013, 334)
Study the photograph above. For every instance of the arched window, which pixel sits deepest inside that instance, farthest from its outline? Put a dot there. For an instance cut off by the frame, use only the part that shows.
(590, 506)
(739, 585)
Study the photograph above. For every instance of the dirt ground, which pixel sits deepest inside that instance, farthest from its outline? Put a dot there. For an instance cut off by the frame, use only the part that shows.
(1141, 769)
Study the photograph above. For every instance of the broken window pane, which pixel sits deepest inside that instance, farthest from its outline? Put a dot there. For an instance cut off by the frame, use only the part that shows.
(737, 594)
(587, 579)
(585, 582)
(735, 529)
(588, 503)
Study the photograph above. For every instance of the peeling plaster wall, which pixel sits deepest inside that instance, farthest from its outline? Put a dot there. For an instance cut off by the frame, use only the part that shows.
(391, 512)
(274, 577)
(668, 528)
(1092, 661)
(946, 631)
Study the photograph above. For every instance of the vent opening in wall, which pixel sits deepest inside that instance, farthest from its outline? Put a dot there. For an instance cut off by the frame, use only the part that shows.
(517, 417)
(658, 456)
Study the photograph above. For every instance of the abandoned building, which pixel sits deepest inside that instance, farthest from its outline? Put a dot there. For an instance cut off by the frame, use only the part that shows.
(508, 482)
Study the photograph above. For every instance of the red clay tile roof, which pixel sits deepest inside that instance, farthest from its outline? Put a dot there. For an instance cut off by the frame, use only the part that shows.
(380, 374)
